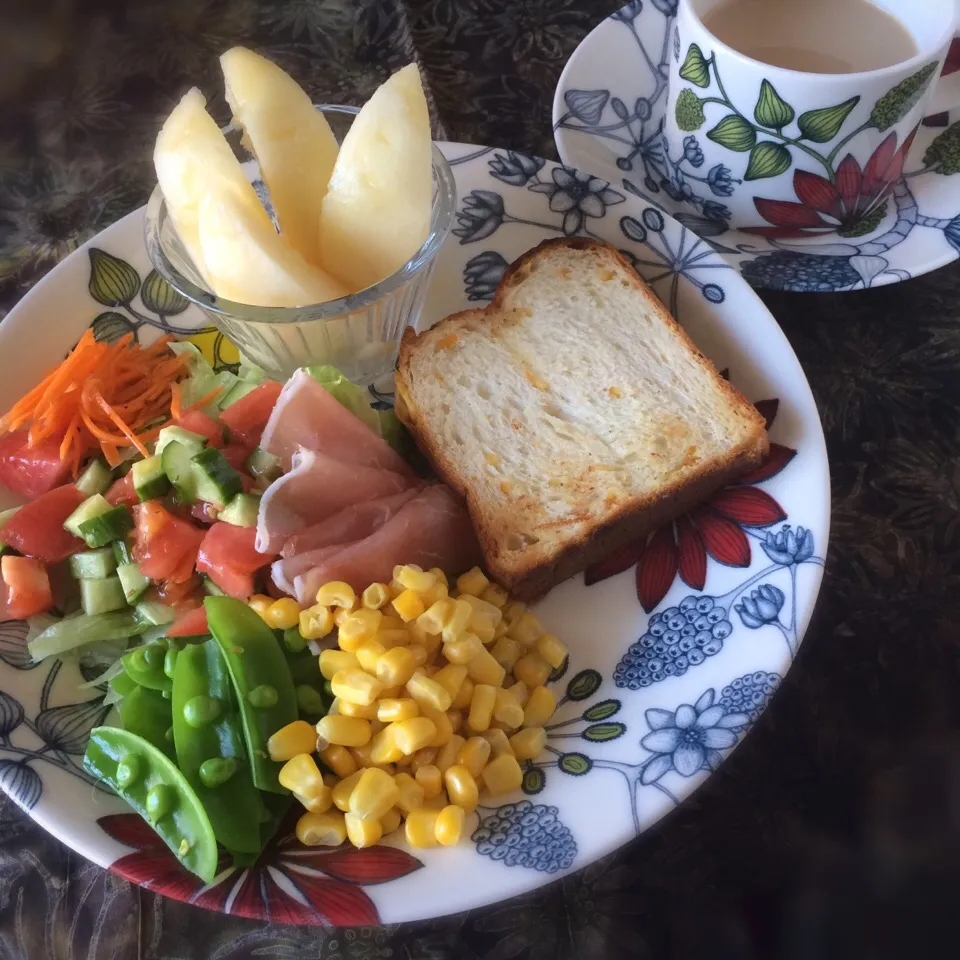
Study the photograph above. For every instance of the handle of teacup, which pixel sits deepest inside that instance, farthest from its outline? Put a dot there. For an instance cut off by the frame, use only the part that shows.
(946, 94)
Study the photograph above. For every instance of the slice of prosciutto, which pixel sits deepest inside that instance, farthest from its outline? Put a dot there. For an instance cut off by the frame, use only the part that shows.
(306, 416)
(432, 530)
(317, 487)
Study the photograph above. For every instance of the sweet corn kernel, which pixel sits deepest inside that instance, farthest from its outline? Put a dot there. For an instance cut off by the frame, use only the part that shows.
(532, 669)
(442, 723)
(461, 787)
(481, 707)
(403, 761)
(456, 719)
(464, 695)
(458, 621)
(484, 669)
(449, 825)
(396, 667)
(501, 630)
(390, 693)
(383, 746)
(320, 802)
(331, 779)
(413, 734)
(540, 707)
(451, 678)
(362, 625)
(377, 595)
(462, 651)
(449, 752)
(411, 792)
(339, 760)
(429, 641)
(526, 628)
(390, 622)
(344, 731)
(393, 638)
(506, 710)
(340, 614)
(507, 651)
(423, 758)
(473, 582)
(336, 594)
(428, 693)
(375, 725)
(420, 655)
(373, 795)
(552, 650)
(260, 603)
(440, 575)
(438, 802)
(315, 622)
(408, 605)
(390, 710)
(322, 829)
(420, 828)
(391, 821)
(437, 592)
(484, 629)
(363, 832)
(301, 775)
(396, 588)
(474, 755)
(514, 610)
(333, 661)
(282, 614)
(528, 743)
(356, 686)
(413, 578)
(436, 615)
(483, 611)
(342, 791)
(496, 595)
(499, 744)
(521, 692)
(502, 774)
(368, 653)
(294, 738)
(430, 778)
(366, 711)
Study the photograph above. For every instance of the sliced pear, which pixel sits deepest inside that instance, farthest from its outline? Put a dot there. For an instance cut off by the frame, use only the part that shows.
(376, 213)
(293, 143)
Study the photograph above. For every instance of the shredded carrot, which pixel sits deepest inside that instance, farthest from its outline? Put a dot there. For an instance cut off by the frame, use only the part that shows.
(203, 401)
(104, 397)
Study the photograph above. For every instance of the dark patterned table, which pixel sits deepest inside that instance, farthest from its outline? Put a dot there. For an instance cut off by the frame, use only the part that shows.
(833, 831)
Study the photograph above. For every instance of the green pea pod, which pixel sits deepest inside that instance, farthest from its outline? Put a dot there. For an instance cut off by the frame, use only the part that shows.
(276, 808)
(144, 665)
(158, 791)
(261, 681)
(305, 668)
(210, 749)
(123, 684)
(147, 714)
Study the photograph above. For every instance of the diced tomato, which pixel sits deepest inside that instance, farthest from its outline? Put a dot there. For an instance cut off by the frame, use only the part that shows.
(122, 492)
(174, 592)
(37, 529)
(193, 623)
(230, 558)
(203, 512)
(165, 545)
(236, 455)
(27, 585)
(249, 415)
(31, 470)
(198, 422)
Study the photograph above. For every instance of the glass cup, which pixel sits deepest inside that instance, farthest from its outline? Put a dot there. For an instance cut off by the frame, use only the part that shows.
(359, 334)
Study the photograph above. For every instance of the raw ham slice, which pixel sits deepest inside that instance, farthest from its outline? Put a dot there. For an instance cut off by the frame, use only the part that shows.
(432, 530)
(317, 487)
(305, 415)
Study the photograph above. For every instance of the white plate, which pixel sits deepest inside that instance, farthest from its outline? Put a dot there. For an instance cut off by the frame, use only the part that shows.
(645, 715)
(607, 113)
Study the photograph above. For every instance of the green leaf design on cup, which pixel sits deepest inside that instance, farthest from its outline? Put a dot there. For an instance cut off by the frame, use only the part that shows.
(943, 155)
(893, 106)
(585, 684)
(576, 764)
(771, 109)
(534, 780)
(113, 282)
(768, 160)
(602, 732)
(696, 67)
(689, 111)
(110, 326)
(159, 297)
(734, 133)
(822, 125)
(601, 711)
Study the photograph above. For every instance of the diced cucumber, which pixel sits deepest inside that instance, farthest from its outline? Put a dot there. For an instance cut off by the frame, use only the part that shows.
(5, 515)
(210, 588)
(134, 582)
(121, 552)
(187, 438)
(152, 611)
(99, 530)
(242, 510)
(178, 468)
(93, 564)
(263, 464)
(237, 392)
(149, 480)
(217, 482)
(95, 479)
(93, 506)
(102, 596)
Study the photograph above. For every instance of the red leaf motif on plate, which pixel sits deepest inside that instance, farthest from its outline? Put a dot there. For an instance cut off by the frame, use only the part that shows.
(693, 555)
(622, 559)
(369, 865)
(215, 897)
(748, 506)
(775, 460)
(342, 904)
(156, 870)
(768, 410)
(131, 830)
(249, 901)
(657, 568)
(724, 540)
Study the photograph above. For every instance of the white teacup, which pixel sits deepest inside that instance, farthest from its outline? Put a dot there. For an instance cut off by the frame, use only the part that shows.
(787, 154)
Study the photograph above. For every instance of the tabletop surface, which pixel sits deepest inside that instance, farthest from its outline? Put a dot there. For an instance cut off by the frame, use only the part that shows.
(832, 832)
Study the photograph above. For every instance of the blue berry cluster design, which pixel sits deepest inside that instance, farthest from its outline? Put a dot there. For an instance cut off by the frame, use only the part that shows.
(526, 835)
(677, 639)
(748, 695)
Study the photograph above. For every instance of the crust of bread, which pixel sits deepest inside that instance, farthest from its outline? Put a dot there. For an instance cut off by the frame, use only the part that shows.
(528, 577)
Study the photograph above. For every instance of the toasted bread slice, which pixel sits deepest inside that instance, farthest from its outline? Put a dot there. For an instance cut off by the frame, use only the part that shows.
(573, 414)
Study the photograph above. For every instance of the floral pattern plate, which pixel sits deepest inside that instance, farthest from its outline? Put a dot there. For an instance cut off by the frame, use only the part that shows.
(608, 114)
(676, 644)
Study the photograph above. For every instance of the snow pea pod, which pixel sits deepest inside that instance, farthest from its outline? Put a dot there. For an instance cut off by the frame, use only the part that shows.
(144, 665)
(146, 713)
(210, 748)
(261, 680)
(158, 791)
